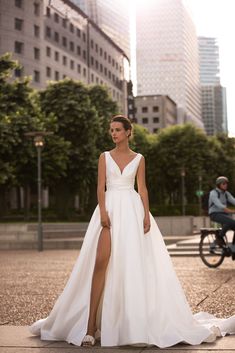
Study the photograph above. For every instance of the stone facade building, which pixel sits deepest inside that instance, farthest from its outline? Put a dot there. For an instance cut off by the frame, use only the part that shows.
(155, 112)
(54, 39)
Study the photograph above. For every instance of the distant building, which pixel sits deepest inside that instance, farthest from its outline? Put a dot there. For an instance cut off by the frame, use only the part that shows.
(214, 109)
(167, 55)
(55, 39)
(112, 16)
(213, 95)
(155, 112)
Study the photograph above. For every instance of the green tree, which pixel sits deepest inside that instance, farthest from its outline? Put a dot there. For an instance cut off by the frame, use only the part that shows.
(77, 123)
(177, 148)
(20, 113)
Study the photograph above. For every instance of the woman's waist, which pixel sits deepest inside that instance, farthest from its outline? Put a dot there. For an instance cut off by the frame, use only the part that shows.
(119, 187)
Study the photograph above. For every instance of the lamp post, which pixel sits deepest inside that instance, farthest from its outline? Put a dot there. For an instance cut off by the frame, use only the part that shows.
(200, 194)
(182, 190)
(39, 143)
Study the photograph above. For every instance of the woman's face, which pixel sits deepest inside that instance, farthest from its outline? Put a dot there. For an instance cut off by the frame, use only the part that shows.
(118, 132)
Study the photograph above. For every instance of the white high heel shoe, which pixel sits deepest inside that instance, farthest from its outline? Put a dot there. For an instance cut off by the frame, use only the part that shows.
(88, 341)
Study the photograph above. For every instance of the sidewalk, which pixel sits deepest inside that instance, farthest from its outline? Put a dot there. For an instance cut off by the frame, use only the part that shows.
(17, 339)
(31, 282)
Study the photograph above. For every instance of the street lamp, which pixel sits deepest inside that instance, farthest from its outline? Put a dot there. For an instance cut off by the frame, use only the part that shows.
(200, 193)
(182, 173)
(39, 143)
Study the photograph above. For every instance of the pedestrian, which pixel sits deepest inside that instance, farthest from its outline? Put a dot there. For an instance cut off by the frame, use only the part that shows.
(218, 208)
(123, 287)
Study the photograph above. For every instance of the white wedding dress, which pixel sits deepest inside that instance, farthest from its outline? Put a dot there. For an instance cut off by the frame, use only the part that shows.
(143, 302)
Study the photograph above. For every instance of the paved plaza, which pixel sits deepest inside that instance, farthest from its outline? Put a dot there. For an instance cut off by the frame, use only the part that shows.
(31, 282)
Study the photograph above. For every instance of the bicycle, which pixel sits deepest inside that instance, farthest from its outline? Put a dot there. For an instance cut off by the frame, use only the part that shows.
(210, 252)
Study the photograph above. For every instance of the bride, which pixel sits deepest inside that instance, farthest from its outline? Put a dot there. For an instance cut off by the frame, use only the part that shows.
(123, 287)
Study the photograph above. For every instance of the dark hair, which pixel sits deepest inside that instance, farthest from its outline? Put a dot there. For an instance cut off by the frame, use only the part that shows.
(124, 120)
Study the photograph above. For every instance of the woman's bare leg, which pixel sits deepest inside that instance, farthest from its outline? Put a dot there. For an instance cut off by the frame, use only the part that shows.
(102, 259)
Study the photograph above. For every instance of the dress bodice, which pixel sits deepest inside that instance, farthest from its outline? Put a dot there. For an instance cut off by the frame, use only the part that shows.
(117, 179)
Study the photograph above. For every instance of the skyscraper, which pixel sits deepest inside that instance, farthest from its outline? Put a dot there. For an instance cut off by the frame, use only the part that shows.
(213, 95)
(209, 61)
(113, 17)
(167, 56)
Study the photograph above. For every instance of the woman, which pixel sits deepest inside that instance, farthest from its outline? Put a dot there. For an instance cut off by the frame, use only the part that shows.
(123, 285)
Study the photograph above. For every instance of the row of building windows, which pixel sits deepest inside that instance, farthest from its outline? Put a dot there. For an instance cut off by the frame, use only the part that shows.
(155, 109)
(72, 29)
(71, 46)
(36, 6)
(155, 120)
(19, 26)
(94, 63)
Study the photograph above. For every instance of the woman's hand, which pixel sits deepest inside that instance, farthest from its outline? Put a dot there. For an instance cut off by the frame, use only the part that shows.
(146, 224)
(105, 221)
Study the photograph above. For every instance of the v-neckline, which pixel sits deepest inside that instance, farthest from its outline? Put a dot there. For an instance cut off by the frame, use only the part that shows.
(121, 171)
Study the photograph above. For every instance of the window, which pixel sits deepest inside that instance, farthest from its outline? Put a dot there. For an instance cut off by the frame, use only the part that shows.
(36, 31)
(84, 54)
(64, 60)
(96, 64)
(116, 66)
(78, 50)
(97, 80)
(48, 12)
(56, 17)
(92, 77)
(57, 75)
(48, 71)
(110, 74)
(145, 120)
(92, 44)
(105, 71)
(19, 72)
(36, 9)
(84, 37)
(48, 31)
(101, 68)
(155, 130)
(64, 41)
(79, 68)
(19, 47)
(19, 24)
(84, 72)
(56, 36)
(109, 59)
(105, 55)
(144, 109)
(78, 32)
(36, 76)
(36, 53)
(19, 3)
(71, 64)
(57, 56)
(71, 28)
(96, 48)
(155, 109)
(156, 120)
(101, 52)
(92, 60)
(64, 22)
(113, 62)
(71, 46)
(48, 51)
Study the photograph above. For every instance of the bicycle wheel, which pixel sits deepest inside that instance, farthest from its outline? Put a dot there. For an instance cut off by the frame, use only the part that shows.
(211, 254)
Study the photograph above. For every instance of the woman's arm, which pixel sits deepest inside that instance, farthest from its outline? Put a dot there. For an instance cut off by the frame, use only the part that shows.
(105, 222)
(142, 190)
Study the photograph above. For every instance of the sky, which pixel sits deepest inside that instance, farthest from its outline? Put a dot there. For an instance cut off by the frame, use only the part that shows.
(215, 18)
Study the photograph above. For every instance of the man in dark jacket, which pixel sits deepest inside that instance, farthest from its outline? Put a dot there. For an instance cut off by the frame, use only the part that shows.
(218, 209)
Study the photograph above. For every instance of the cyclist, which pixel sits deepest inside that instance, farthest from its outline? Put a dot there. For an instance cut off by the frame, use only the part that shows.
(218, 210)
